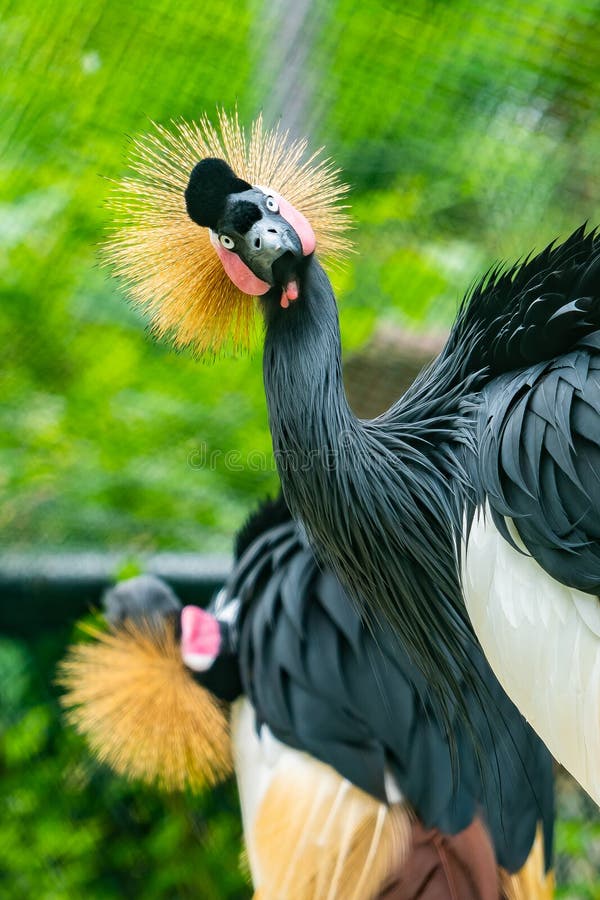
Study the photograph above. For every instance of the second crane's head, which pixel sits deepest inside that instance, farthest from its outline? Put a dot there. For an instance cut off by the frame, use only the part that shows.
(260, 238)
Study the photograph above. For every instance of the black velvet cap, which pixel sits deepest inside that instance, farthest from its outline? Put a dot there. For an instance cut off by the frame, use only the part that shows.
(211, 182)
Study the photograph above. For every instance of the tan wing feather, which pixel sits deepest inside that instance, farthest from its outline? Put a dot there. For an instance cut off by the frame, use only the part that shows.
(531, 882)
(168, 263)
(317, 837)
(129, 693)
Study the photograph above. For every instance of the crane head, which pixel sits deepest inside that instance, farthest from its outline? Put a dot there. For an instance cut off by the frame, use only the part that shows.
(214, 215)
(259, 236)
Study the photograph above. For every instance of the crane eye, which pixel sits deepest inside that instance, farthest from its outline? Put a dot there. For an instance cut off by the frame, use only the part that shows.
(226, 241)
(272, 204)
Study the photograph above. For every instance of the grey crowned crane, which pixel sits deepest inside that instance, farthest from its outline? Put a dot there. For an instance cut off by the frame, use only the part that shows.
(347, 782)
(473, 503)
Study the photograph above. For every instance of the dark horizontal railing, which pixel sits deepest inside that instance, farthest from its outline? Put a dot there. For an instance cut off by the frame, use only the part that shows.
(46, 590)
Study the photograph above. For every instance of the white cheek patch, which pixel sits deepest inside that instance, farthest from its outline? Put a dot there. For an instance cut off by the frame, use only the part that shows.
(198, 662)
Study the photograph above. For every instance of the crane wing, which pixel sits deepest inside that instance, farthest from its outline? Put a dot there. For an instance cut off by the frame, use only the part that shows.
(539, 462)
(531, 566)
(348, 695)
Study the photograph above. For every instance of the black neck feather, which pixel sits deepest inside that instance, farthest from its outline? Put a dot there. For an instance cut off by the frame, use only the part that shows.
(378, 498)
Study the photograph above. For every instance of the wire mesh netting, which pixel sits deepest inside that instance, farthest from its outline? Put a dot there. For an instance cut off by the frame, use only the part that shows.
(468, 132)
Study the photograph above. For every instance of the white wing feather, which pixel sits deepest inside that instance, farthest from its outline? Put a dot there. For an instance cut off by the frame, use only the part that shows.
(542, 640)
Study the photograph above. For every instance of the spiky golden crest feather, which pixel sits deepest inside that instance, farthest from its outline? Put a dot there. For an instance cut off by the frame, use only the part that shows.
(129, 693)
(167, 261)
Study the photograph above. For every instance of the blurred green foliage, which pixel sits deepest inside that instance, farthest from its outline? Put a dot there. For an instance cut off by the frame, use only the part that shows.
(468, 131)
(69, 829)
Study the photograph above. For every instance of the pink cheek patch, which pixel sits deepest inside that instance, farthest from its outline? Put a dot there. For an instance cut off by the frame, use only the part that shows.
(200, 638)
(299, 223)
(237, 271)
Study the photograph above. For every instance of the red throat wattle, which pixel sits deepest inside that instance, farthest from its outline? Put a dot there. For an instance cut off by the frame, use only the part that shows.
(239, 273)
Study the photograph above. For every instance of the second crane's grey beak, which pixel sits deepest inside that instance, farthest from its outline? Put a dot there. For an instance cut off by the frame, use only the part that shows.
(265, 242)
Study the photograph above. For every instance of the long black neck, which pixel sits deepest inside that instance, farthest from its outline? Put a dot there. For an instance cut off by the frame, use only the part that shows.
(308, 409)
(378, 498)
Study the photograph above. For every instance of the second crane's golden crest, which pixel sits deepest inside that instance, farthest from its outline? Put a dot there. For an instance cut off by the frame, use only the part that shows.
(167, 261)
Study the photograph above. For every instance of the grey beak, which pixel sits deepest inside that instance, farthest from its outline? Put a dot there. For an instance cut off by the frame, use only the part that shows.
(266, 241)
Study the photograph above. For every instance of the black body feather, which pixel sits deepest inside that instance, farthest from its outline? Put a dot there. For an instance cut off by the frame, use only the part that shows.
(539, 462)
(532, 312)
(349, 697)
